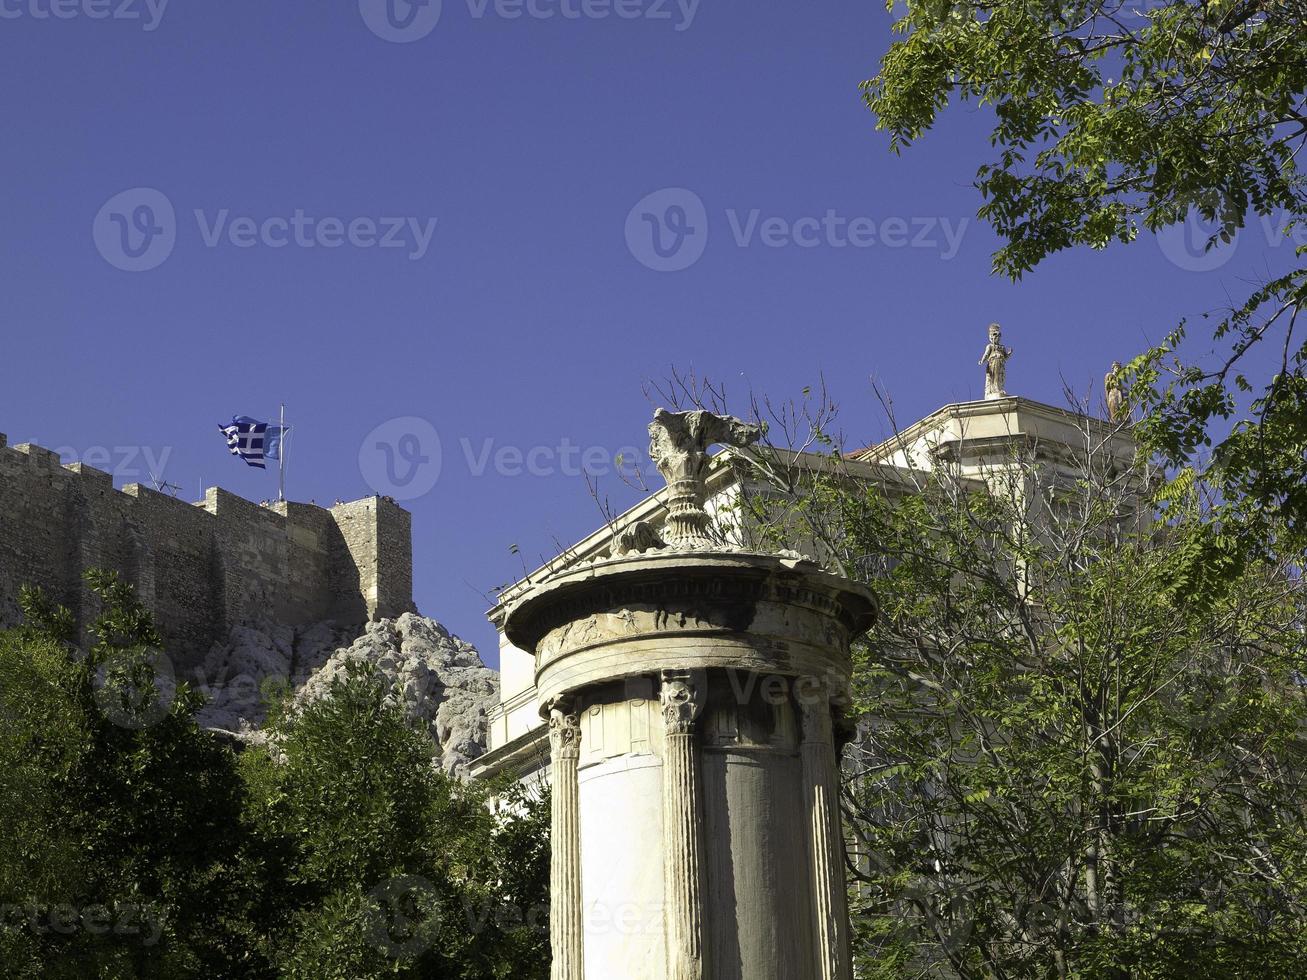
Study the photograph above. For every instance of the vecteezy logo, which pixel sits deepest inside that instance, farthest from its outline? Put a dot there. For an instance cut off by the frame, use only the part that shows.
(135, 688)
(1185, 244)
(401, 458)
(400, 21)
(136, 230)
(404, 918)
(668, 230)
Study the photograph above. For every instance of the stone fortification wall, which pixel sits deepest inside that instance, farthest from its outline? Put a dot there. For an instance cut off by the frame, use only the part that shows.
(201, 568)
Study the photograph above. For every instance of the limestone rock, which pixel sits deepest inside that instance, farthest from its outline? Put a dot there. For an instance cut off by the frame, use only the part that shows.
(438, 679)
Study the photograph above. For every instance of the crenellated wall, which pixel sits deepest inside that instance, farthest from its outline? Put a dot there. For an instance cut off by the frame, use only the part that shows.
(200, 568)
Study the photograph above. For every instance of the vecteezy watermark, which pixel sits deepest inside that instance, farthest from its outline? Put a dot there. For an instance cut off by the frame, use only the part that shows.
(305, 231)
(149, 13)
(120, 919)
(135, 688)
(241, 697)
(564, 459)
(136, 230)
(485, 912)
(681, 13)
(406, 914)
(403, 459)
(667, 231)
(632, 918)
(404, 919)
(406, 21)
(1196, 245)
(833, 230)
(126, 464)
(400, 21)
(625, 918)
(805, 690)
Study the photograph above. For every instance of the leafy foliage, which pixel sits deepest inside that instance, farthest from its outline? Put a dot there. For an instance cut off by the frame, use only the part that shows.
(383, 865)
(135, 845)
(1081, 750)
(118, 818)
(1113, 116)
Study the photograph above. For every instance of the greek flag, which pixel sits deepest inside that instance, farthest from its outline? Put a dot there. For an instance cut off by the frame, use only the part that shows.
(252, 440)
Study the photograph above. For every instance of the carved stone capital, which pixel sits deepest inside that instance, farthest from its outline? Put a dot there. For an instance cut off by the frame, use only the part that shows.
(678, 445)
(639, 536)
(564, 733)
(682, 702)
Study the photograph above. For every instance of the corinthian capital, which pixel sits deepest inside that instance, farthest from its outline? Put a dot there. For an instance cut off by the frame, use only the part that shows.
(679, 441)
(564, 733)
(678, 445)
(682, 703)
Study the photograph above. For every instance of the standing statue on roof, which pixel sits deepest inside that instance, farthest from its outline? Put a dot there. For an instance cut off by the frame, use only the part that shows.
(995, 361)
(1115, 395)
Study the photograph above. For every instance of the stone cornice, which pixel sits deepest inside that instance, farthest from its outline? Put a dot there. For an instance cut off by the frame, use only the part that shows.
(527, 753)
(1012, 406)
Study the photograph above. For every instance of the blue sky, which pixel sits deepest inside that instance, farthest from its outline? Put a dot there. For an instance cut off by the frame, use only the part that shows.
(415, 230)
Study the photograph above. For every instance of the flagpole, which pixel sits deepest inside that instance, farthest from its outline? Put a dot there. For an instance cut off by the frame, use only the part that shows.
(281, 457)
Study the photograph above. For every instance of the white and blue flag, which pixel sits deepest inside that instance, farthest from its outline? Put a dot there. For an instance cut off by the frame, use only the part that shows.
(252, 440)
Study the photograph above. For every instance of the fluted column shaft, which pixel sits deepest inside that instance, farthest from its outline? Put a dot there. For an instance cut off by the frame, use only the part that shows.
(682, 830)
(821, 789)
(566, 924)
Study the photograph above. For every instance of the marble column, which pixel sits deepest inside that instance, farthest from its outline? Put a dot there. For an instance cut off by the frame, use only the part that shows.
(566, 925)
(682, 702)
(821, 793)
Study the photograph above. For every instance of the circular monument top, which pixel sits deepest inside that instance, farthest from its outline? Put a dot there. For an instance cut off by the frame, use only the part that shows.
(672, 598)
(645, 612)
(725, 584)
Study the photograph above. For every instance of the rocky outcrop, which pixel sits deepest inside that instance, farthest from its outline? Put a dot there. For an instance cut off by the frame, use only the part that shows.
(438, 679)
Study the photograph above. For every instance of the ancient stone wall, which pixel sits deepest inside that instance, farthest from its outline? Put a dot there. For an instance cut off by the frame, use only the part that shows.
(200, 568)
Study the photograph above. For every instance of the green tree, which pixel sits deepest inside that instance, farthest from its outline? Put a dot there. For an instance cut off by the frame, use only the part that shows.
(382, 865)
(1113, 116)
(119, 817)
(135, 845)
(1081, 748)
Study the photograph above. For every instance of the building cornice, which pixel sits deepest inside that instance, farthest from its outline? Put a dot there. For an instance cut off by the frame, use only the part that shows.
(527, 753)
(1011, 406)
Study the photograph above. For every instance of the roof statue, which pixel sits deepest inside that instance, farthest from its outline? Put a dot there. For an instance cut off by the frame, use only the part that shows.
(995, 360)
(1113, 390)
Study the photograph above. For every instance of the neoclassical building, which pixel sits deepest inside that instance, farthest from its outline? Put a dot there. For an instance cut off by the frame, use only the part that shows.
(977, 437)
